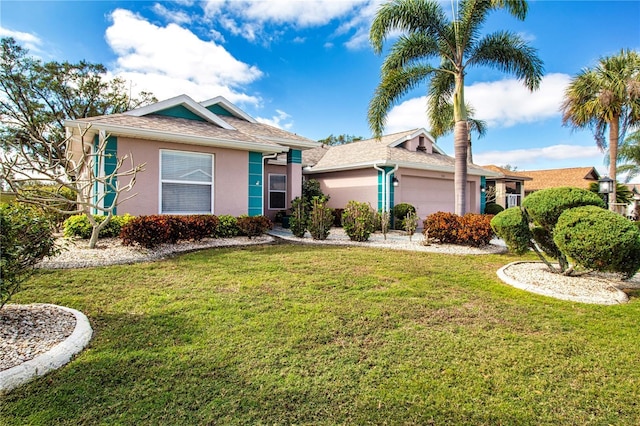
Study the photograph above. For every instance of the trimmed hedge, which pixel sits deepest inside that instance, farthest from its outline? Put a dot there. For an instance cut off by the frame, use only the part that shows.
(151, 231)
(493, 208)
(254, 226)
(400, 212)
(227, 226)
(599, 239)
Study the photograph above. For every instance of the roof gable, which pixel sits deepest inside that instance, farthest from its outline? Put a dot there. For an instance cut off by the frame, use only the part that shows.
(221, 106)
(181, 107)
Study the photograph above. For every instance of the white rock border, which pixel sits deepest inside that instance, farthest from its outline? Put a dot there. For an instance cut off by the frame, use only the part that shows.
(617, 296)
(51, 360)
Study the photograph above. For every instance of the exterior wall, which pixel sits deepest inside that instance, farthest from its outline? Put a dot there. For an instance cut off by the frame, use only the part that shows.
(342, 187)
(230, 176)
(412, 144)
(430, 192)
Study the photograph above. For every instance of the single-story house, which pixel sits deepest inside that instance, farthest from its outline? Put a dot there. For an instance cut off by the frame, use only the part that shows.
(506, 189)
(405, 167)
(207, 157)
(578, 177)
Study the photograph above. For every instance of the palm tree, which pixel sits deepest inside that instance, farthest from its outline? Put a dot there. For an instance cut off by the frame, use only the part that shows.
(442, 123)
(607, 96)
(428, 35)
(629, 156)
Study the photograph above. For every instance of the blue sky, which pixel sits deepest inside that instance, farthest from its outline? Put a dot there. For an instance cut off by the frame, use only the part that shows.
(307, 66)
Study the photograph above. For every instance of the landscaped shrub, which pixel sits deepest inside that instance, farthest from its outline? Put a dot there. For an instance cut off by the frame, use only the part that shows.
(55, 200)
(544, 207)
(400, 212)
(442, 226)
(410, 223)
(254, 226)
(358, 220)
(151, 231)
(227, 226)
(475, 230)
(298, 218)
(448, 228)
(320, 219)
(201, 226)
(511, 225)
(79, 226)
(493, 208)
(25, 238)
(599, 239)
(383, 222)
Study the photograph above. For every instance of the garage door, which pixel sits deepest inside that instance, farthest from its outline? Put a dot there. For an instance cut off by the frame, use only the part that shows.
(428, 195)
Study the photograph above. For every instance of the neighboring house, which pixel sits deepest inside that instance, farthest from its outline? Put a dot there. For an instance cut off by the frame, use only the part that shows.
(405, 167)
(632, 208)
(208, 157)
(507, 189)
(578, 177)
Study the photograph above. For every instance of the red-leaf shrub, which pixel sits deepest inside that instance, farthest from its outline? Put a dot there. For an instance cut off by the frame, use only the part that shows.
(253, 226)
(151, 231)
(442, 226)
(448, 228)
(475, 230)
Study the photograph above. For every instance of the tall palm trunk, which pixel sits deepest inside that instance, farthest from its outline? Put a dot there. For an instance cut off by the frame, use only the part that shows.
(614, 130)
(460, 146)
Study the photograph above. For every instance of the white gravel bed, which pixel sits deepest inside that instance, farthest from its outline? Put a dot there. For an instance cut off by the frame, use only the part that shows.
(75, 253)
(395, 240)
(596, 288)
(29, 330)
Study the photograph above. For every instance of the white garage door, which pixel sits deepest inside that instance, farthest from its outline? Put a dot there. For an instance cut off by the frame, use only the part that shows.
(428, 195)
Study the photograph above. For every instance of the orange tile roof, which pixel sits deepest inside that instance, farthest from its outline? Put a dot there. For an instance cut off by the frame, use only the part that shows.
(579, 177)
(509, 174)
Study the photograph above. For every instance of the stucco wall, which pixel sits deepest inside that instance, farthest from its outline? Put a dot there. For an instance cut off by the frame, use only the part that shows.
(342, 187)
(230, 176)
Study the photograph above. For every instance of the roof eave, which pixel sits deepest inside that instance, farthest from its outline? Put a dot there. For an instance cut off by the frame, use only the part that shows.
(135, 132)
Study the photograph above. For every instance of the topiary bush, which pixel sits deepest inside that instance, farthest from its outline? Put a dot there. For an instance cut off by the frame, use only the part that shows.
(400, 212)
(493, 208)
(358, 220)
(512, 226)
(544, 207)
(599, 239)
(254, 226)
(227, 226)
(26, 238)
(320, 219)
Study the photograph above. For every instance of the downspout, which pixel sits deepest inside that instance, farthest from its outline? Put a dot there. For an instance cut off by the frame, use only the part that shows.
(386, 190)
(265, 158)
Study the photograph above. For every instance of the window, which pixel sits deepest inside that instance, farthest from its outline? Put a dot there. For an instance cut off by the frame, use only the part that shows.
(277, 192)
(186, 181)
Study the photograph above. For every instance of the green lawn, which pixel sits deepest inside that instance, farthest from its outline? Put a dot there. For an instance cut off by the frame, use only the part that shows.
(290, 334)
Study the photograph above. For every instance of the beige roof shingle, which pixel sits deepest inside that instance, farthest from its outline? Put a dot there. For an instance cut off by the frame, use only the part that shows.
(579, 177)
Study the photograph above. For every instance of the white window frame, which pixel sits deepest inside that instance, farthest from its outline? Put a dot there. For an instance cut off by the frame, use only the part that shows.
(269, 191)
(161, 181)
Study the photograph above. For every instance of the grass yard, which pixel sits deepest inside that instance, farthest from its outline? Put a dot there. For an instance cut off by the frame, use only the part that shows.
(290, 334)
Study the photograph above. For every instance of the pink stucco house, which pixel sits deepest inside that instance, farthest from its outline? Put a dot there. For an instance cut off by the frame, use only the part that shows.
(207, 157)
(405, 167)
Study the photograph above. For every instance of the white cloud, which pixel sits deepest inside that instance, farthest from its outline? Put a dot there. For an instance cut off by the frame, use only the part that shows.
(28, 40)
(506, 103)
(533, 157)
(502, 103)
(278, 121)
(171, 60)
(248, 18)
(178, 17)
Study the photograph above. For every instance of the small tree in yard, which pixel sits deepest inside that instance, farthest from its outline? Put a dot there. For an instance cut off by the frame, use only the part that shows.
(298, 219)
(25, 239)
(79, 173)
(571, 226)
(358, 220)
(384, 217)
(411, 223)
